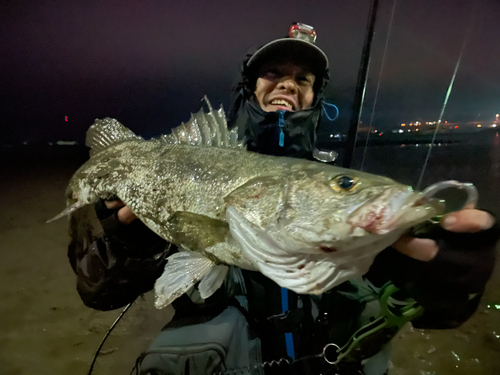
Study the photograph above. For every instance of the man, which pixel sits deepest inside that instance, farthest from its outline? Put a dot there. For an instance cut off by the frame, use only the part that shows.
(277, 106)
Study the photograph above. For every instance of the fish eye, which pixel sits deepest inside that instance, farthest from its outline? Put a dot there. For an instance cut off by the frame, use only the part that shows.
(344, 183)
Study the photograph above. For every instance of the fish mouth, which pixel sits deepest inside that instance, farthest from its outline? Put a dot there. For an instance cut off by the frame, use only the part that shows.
(393, 209)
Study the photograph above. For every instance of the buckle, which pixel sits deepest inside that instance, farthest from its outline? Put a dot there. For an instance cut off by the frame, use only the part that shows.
(287, 321)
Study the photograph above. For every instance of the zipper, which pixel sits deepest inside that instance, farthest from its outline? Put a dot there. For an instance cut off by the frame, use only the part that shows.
(281, 124)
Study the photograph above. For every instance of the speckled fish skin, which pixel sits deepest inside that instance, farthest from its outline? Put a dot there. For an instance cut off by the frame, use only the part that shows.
(155, 180)
(306, 225)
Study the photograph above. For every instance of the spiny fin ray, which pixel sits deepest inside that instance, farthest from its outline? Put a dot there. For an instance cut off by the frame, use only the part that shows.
(206, 129)
(107, 132)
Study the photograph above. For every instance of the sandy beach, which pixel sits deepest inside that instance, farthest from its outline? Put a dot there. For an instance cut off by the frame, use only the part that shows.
(45, 328)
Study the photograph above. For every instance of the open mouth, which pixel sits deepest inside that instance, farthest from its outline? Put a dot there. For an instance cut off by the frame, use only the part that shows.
(403, 209)
(416, 210)
(282, 102)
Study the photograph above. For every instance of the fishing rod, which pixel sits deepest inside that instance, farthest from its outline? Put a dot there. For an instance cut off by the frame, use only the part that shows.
(359, 95)
(382, 65)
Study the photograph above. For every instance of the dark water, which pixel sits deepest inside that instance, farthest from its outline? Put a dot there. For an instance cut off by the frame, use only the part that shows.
(46, 329)
(476, 161)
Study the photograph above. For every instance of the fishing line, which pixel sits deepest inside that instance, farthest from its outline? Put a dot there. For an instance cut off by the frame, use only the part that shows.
(447, 96)
(378, 83)
(107, 335)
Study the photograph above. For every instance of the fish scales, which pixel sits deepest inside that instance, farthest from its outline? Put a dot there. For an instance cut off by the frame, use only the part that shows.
(156, 180)
(307, 225)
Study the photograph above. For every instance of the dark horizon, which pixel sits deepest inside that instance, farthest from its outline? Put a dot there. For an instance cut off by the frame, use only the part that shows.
(149, 64)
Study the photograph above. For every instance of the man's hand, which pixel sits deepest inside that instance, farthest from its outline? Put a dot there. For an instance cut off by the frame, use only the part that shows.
(124, 214)
(464, 221)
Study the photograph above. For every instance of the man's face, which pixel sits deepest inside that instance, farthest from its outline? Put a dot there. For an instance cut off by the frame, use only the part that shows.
(284, 86)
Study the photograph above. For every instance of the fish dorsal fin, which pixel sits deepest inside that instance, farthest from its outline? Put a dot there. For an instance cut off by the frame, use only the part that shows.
(107, 132)
(206, 129)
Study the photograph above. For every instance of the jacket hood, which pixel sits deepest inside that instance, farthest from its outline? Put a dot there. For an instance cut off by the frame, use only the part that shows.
(262, 130)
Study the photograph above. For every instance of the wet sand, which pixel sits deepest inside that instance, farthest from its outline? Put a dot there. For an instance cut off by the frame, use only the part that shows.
(473, 348)
(45, 328)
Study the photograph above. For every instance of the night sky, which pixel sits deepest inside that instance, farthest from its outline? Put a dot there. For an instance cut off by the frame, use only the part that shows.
(148, 63)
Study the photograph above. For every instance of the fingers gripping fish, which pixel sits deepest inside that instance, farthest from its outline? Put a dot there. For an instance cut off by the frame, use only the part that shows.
(306, 225)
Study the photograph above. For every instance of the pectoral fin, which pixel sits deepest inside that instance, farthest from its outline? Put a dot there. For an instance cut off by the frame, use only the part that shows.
(212, 281)
(196, 232)
(183, 271)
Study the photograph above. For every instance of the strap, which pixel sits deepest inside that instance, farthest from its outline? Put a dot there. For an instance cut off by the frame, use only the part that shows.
(290, 350)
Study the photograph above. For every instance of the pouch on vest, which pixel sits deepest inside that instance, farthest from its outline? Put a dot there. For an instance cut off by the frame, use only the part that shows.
(222, 343)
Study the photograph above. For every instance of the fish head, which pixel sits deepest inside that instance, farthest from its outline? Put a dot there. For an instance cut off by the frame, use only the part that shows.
(318, 207)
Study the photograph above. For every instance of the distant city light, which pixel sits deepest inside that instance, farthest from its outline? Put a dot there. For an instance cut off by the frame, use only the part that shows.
(426, 125)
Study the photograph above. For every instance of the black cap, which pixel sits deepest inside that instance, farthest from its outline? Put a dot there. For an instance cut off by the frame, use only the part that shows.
(299, 48)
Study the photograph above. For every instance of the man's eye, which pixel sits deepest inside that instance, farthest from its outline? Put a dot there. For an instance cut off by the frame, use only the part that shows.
(304, 80)
(271, 74)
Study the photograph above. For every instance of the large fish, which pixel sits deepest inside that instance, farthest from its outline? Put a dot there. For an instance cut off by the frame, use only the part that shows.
(306, 225)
